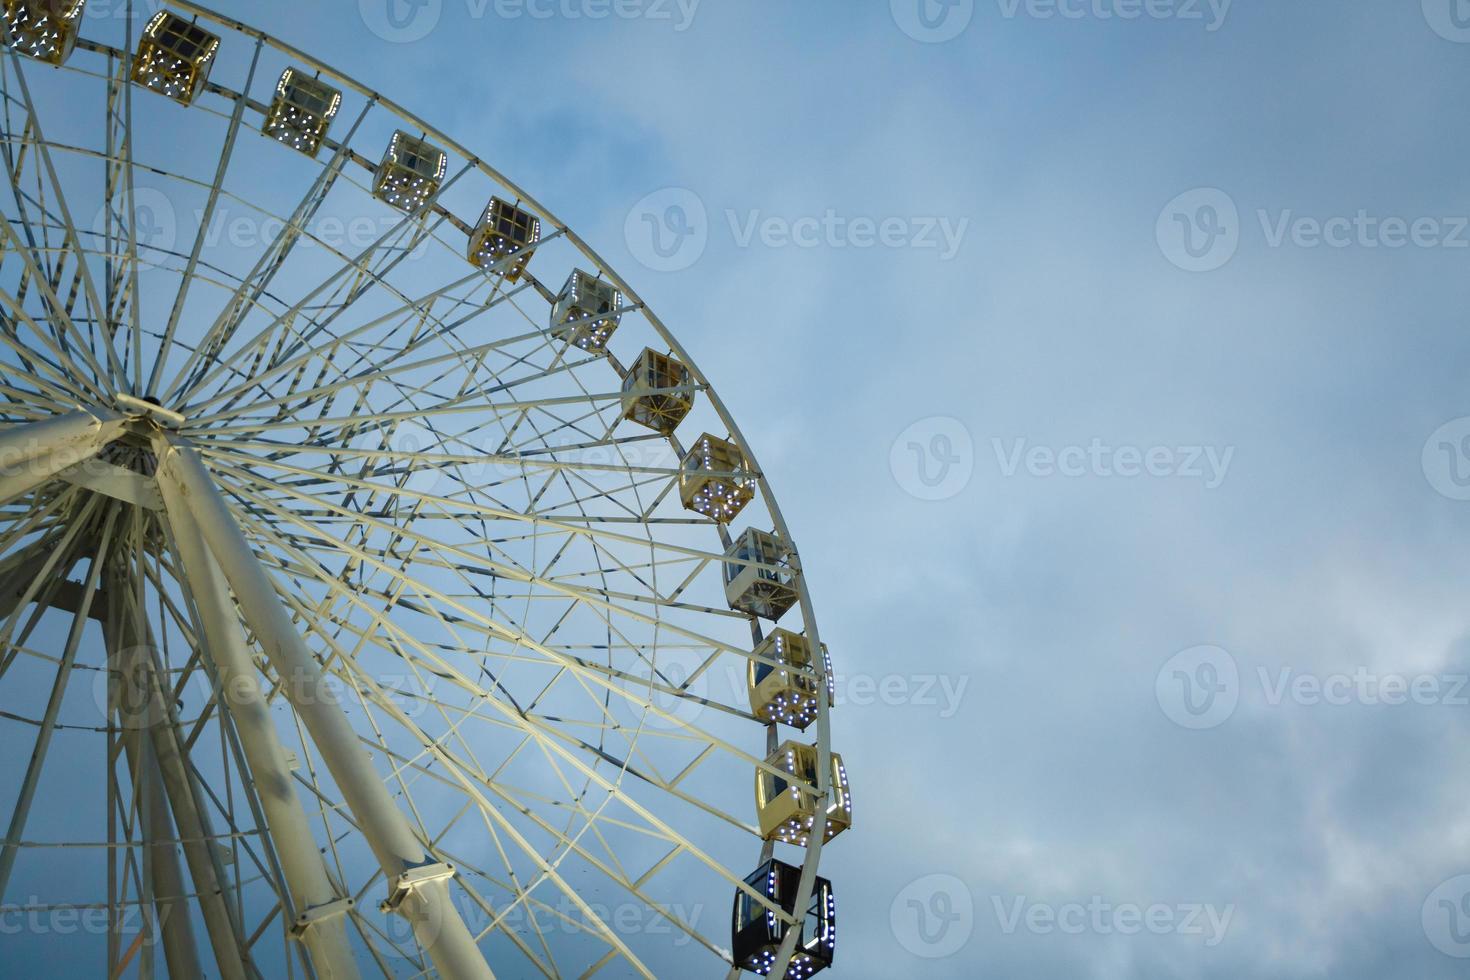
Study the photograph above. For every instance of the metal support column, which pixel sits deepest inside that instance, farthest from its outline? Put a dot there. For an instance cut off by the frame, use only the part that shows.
(180, 951)
(145, 716)
(31, 453)
(47, 729)
(418, 884)
(320, 910)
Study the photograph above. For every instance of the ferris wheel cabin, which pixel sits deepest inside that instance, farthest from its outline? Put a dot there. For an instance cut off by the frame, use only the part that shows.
(786, 800)
(410, 174)
(302, 111)
(174, 57)
(46, 30)
(585, 312)
(715, 479)
(657, 392)
(760, 574)
(505, 238)
(784, 687)
(758, 933)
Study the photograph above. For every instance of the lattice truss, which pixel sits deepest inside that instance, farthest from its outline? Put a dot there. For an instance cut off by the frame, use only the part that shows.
(488, 564)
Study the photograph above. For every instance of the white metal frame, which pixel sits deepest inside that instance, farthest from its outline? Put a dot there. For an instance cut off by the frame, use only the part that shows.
(256, 480)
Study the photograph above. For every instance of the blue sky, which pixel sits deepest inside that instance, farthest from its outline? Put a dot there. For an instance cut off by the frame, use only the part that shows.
(1111, 373)
(1315, 828)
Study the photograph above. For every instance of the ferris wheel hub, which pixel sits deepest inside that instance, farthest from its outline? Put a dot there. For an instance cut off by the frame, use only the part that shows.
(149, 409)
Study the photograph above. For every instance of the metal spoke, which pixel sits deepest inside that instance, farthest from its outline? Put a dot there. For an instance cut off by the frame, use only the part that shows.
(237, 117)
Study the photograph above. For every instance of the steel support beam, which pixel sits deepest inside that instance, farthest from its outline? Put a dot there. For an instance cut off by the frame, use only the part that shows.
(31, 453)
(180, 951)
(418, 884)
(145, 715)
(47, 729)
(321, 911)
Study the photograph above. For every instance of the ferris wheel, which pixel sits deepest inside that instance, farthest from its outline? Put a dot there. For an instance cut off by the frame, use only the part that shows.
(383, 588)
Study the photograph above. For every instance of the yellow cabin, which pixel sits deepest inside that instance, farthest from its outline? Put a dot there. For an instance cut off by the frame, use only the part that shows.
(786, 798)
(411, 173)
(302, 111)
(44, 29)
(503, 232)
(585, 312)
(647, 399)
(715, 479)
(783, 681)
(174, 57)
